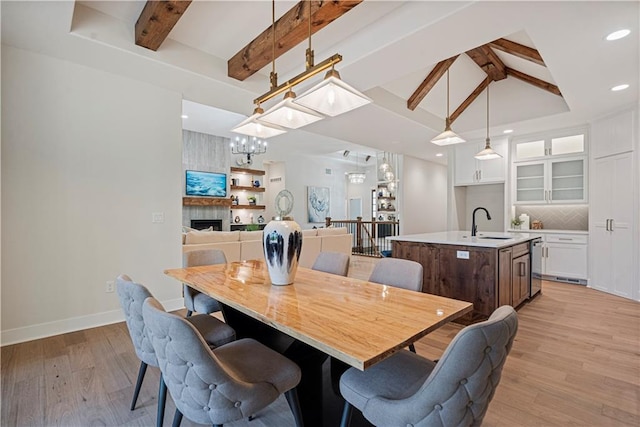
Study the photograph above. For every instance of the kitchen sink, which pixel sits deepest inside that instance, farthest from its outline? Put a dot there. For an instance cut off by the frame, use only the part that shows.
(495, 238)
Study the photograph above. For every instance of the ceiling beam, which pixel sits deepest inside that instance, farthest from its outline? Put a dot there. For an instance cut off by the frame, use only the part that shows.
(156, 21)
(477, 91)
(534, 81)
(487, 59)
(519, 50)
(290, 30)
(429, 82)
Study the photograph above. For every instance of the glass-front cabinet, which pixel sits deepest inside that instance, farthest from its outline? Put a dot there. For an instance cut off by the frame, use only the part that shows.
(572, 144)
(551, 181)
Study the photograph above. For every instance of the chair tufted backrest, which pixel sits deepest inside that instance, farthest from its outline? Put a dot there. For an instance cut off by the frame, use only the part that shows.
(332, 262)
(400, 273)
(131, 296)
(463, 382)
(199, 384)
(195, 259)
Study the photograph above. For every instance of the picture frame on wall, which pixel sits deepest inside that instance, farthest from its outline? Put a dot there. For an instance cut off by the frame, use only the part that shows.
(318, 205)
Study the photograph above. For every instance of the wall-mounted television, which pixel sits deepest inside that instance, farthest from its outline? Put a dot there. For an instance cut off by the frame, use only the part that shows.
(212, 184)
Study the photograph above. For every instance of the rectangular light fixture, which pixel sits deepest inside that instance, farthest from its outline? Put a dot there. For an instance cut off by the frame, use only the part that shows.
(332, 96)
(287, 114)
(253, 127)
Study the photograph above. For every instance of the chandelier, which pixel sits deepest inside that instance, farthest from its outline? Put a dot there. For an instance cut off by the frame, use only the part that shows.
(331, 97)
(248, 147)
(357, 177)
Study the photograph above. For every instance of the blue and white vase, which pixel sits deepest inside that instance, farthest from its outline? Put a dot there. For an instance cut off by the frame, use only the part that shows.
(282, 246)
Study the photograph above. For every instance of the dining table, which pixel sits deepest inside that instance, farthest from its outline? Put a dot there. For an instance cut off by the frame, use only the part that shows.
(320, 315)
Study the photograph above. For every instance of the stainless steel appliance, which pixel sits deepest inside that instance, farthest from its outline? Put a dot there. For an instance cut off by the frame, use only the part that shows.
(536, 267)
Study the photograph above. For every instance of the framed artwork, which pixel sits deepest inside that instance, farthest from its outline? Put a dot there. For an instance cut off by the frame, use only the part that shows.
(317, 203)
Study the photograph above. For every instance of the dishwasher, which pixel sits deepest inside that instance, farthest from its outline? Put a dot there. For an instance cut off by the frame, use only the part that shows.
(536, 267)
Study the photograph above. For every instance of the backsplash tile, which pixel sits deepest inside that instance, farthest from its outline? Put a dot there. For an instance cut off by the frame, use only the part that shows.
(566, 217)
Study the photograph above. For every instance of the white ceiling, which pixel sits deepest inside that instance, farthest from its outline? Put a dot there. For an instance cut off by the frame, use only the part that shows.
(388, 48)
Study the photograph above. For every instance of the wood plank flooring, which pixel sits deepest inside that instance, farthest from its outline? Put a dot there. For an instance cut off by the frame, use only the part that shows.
(575, 361)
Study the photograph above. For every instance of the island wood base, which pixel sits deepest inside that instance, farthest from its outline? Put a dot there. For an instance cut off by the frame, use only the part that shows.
(488, 278)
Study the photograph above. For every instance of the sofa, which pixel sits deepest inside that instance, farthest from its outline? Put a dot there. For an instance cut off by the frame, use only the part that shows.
(243, 245)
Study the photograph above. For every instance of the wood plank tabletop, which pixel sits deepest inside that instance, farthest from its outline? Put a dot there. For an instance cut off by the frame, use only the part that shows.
(355, 321)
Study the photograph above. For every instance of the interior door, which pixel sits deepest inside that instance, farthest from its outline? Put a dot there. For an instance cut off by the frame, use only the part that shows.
(355, 208)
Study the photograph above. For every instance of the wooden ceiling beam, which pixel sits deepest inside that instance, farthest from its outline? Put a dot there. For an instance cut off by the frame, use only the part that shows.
(429, 82)
(476, 92)
(156, 21)
(519, 50)
(534, 81)
(487, 59)
(290, 30)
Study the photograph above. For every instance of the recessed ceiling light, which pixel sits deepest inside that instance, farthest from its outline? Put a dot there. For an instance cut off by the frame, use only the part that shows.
(619, 87)
(439, 155)
(507, 131)
(617, 35)
(184, 116)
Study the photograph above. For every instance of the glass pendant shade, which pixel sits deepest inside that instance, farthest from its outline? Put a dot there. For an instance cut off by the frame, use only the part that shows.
(389, 176)
(448, 137)
(488, 153)
(290, 115)
(391, 187)
(253, 127)
(384, 166)
(332, 96)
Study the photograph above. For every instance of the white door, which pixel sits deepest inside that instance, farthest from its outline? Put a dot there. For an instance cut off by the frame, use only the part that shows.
(355, 208)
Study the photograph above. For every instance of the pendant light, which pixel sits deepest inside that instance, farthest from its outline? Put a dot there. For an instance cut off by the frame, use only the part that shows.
(331, 96)
(448, 137)
(488, 153)
(358, 176)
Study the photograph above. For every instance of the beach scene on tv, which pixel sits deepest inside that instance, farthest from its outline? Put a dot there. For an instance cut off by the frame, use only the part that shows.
(206, 184)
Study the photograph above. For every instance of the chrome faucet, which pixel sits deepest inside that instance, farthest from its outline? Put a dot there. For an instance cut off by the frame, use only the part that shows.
(474, 227)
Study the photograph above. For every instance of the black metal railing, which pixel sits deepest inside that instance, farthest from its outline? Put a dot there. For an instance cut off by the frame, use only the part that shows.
(368, 236)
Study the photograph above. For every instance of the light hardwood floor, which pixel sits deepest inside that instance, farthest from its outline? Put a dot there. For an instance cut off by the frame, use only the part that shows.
(575, 361)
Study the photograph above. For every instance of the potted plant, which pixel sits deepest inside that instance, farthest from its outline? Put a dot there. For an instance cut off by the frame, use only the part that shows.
(252, 200)
(515, 223)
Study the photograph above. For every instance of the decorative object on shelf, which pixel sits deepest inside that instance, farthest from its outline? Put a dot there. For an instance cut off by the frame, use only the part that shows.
(330, 97)
(236, 220)
(248, 147)
(234, 182)
(260, 219)
(317, 204)
(252, 199)
(448, 137)
(515, 223)
(536, 224)
(488, 153)
(380, 217)
(256, 183)
(282, 242)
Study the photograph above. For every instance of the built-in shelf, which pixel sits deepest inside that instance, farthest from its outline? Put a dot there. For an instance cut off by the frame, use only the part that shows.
(387, 197)
(386, 210)
(247, 171)
(247, 206)
(252, 189)
(205, 201)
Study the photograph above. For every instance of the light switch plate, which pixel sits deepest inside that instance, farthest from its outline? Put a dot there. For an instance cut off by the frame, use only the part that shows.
(157, 217)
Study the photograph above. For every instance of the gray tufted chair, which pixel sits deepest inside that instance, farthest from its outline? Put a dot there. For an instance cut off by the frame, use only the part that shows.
(332, 262)
(193, 299)
(409, 390)
(399, 273)
(131, 296)
(221, 385)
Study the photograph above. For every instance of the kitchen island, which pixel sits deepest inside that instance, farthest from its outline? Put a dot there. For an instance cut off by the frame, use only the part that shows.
(489, 270)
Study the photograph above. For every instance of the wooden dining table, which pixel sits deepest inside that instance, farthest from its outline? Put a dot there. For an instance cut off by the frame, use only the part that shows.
(354, 321)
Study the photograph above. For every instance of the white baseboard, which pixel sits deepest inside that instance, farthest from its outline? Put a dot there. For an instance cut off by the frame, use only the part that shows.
(43, 330)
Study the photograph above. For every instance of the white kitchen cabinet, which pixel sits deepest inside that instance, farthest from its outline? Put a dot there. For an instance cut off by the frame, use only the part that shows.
(564, 256)
(569, 142)
(471, 171)
(612, 225)
(557, 181)
(613, 135)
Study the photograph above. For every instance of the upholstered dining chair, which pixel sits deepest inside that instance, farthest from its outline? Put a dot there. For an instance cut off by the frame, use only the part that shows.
(221, 385)
(332, 262)
(131, 296)
(193, 299)
(409, 390)
(399, 273)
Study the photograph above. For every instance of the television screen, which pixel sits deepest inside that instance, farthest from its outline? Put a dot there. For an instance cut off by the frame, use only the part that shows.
(206, 184)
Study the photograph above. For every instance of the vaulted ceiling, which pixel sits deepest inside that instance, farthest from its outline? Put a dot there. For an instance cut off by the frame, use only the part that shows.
(558, 67)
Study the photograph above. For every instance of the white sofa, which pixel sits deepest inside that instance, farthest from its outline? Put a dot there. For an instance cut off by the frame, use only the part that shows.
(243, 245)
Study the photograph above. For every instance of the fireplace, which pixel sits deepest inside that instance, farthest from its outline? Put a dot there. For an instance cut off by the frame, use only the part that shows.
(202, 224)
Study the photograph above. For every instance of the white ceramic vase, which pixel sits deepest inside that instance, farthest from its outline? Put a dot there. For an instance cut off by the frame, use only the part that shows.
(282, 245)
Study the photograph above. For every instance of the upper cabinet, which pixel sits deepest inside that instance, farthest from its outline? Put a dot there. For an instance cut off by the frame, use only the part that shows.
(471, 171)
(613, 135)
(550, 168)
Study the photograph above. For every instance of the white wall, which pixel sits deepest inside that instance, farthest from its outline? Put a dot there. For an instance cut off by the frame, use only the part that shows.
(87, 156)
(424, 196)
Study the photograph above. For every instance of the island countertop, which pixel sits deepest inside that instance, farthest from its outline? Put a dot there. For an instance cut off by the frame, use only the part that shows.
(463, 238)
